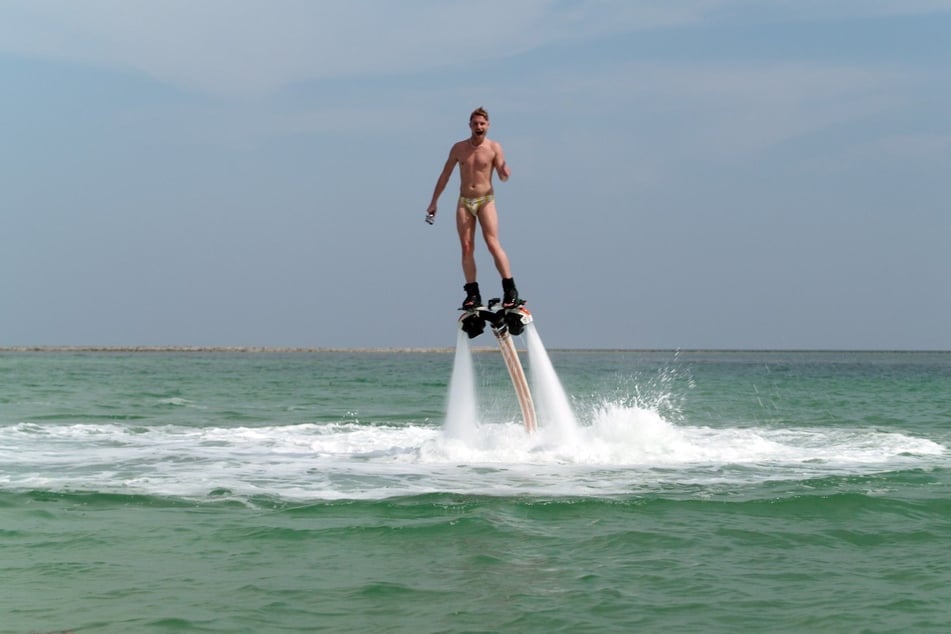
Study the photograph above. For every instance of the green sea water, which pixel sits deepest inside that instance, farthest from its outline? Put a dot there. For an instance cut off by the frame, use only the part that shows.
(320, 492)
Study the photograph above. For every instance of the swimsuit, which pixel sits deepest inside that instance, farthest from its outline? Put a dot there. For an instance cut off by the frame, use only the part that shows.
(475, 205)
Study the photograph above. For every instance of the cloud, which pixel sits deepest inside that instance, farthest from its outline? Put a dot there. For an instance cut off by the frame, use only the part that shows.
(741, 110)
(822, 9)
(715, 110)
(723, 109)
(919, 151)
(254, 47)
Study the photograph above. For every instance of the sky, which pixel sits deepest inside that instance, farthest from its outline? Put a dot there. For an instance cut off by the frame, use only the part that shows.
(718, 174)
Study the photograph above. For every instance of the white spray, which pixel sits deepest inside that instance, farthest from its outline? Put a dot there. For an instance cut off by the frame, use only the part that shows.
(461, 409)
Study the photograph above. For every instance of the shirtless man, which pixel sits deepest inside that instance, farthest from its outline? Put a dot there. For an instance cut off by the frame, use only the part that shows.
(477, 156)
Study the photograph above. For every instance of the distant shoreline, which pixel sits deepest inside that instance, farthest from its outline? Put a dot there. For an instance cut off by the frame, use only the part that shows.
(269, 349)
(443, 350)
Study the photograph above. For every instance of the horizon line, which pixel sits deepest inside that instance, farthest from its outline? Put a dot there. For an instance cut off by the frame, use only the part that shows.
(405, 349)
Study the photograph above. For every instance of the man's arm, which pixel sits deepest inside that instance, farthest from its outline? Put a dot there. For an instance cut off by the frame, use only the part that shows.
(501, 167)
(443, 180)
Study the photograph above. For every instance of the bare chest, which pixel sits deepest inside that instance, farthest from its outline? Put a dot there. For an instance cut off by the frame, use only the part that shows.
(476, 159)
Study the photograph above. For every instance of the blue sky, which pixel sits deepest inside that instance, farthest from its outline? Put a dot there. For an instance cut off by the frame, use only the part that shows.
(693, 174)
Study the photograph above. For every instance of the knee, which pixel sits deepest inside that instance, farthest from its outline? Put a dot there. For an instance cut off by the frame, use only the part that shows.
(468, 248)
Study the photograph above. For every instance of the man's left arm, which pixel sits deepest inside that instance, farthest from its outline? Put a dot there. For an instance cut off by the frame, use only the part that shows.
(500, 165)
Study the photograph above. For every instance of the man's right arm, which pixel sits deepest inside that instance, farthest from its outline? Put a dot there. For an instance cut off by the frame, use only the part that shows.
(442, 181)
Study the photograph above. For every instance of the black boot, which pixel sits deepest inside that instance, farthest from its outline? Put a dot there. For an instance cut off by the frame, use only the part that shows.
(510, 293)
(473, 298)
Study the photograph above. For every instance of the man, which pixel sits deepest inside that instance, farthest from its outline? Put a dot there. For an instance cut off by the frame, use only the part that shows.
(477, 156)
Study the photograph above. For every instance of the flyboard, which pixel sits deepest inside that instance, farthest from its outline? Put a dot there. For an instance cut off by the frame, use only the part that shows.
(505, 322)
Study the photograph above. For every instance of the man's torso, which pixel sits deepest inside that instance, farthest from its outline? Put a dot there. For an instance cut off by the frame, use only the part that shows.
(475, 167)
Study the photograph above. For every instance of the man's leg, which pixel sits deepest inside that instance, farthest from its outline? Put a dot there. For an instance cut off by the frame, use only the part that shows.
(489, 219)
(466, 226)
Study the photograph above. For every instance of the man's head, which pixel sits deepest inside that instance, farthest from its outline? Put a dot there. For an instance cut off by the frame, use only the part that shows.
(479, 112)
(479, 122)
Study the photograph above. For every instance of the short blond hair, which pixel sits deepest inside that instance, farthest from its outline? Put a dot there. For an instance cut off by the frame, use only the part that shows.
(479, 112)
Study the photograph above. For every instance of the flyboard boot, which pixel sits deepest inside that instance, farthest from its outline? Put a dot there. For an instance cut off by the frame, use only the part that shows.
(472, 320)
(473, 298)
(514, 313)
(510, 293)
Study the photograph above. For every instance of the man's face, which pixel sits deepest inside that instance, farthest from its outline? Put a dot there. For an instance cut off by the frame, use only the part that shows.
(479, 125)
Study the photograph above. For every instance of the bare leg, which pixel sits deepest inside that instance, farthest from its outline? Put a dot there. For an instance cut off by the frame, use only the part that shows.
(489, 220)
(466, 225)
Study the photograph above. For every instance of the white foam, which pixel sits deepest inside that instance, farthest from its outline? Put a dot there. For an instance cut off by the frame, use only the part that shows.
(619, 449)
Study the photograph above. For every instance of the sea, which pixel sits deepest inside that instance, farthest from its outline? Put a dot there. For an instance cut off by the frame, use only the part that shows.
(258, 491)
